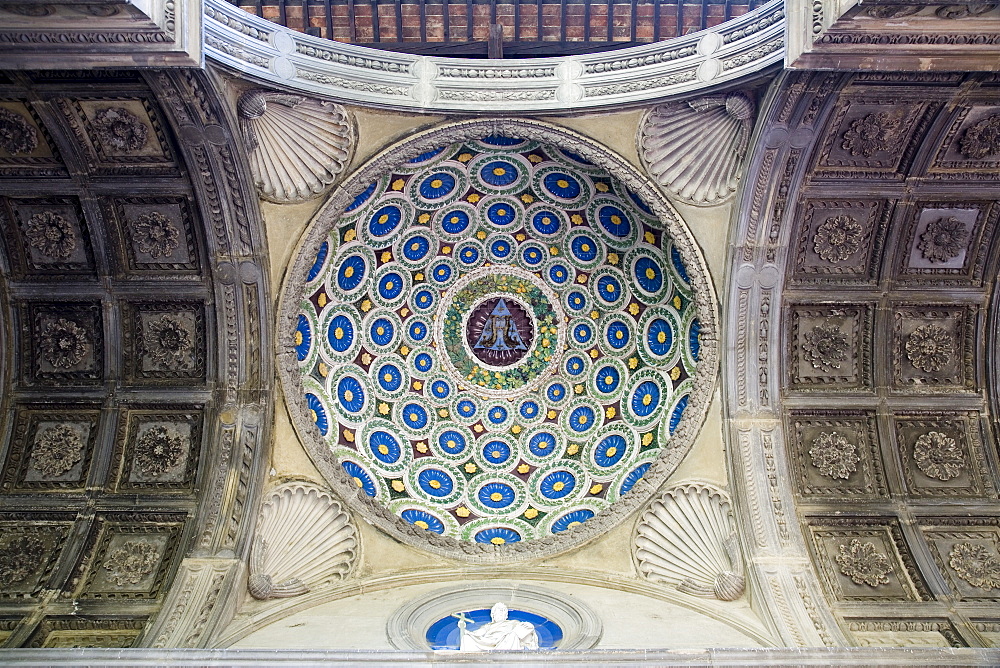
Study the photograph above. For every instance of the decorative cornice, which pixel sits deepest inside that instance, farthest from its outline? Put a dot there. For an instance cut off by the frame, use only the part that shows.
(269, 53)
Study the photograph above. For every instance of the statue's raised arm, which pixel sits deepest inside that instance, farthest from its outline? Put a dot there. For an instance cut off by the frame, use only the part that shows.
(500, 633)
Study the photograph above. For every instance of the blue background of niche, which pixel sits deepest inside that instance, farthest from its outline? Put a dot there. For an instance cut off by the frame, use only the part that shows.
(444, 633)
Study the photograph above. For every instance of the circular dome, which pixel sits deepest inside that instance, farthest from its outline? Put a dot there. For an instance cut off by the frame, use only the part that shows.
(502, 340)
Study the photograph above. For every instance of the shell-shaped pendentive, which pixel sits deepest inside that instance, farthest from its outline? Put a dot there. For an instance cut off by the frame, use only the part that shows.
(695, 149)
(297, 145)
(687, 539)
(304, 538)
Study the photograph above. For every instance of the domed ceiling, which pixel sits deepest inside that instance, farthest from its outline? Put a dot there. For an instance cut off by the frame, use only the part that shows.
(497, 339)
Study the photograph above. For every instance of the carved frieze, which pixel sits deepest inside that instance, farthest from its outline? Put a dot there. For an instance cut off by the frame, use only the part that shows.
(830, 347)
(894, 632)
(77, 631)
(932, 348)
(864, 559)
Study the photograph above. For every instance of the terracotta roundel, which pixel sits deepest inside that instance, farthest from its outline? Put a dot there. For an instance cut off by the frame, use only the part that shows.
(495, 340)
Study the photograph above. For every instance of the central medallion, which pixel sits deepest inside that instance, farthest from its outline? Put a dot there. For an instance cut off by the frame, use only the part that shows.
(501, 332)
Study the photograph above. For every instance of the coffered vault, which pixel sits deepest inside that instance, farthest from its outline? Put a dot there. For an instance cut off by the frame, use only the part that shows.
(231, 380)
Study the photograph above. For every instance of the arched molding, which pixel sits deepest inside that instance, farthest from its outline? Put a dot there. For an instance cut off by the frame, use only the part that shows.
(779, 571)
(681, 439)
(271, 54)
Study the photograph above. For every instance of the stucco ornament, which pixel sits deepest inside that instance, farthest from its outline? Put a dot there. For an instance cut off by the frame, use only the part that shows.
(825, 347)
(834, 456)
(51, 234)
(120, 129)
(838, 238)
(981, 139)
(297, 146)
(19, 558)
(976, 565)
(929, 348)
(943, 239)
(938, 456)
(63, 343)
(155, 234)
(131, 562)
(16, 134)
(863, 564)
(159, 450)
(871, 134)
(169, 343)
(57, 450)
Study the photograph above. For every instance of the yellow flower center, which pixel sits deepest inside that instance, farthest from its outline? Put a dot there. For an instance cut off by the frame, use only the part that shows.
(585, 248)
(383, 219)
(348, 272)
(348, 396)
(616, 220)
(650, 274)
(661, 337)
(609, 379)
(619, 334)
(435, 484)
(421, 524)
(339, 333)
(357, 481)
(497, 541)
(562, 183)
(582, 419)
(611, 452)
(559, 486)
(499, 171)
(496, 496)
(436, 183)
(647, 399)
(383, 449)
(298, 338)
(389, 285)
(501, 212)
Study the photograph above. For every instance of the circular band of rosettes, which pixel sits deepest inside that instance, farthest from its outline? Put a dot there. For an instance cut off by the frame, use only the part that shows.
(500, 340)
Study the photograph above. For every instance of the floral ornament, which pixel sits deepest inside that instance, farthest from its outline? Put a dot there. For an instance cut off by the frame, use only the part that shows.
(892, 11)
(976, 565)
(938, 456)
(838, 238)
(159, 450)
(860, 562)
(131, 562)
(982, 139)
(51, 234)
(943, 239)
(825, 347)
(63, 343)
(16, 134)
(168, 342)
(120, 129)
(871, 134)
(56, 451)
(19, 558)
(155, 235)
(929, 348)
(834, 455)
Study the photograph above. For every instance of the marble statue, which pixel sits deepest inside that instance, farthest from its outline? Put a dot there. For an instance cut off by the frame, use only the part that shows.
(500, 633)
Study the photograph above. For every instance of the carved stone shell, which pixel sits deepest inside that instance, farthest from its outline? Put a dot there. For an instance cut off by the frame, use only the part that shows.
(304, 538)
(687, 539)
(297, 145)
(695, 149)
